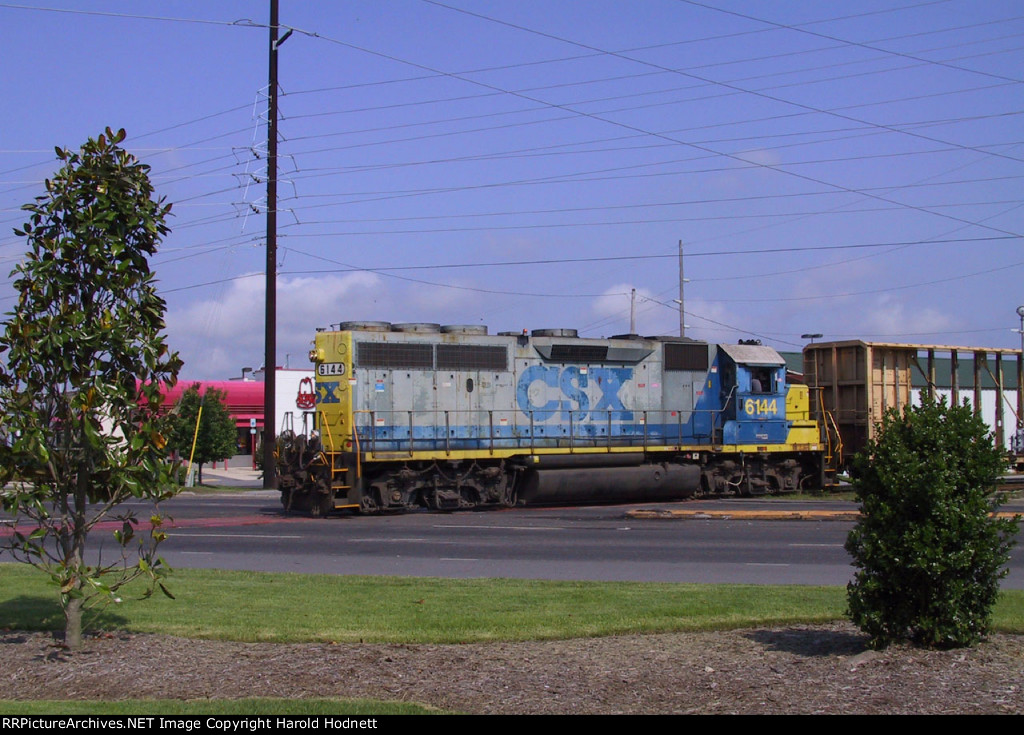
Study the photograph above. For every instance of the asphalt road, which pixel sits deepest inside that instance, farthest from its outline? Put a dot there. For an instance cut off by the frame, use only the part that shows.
(249, 532)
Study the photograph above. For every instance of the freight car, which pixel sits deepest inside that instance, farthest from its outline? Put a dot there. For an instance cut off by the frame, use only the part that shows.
(854, 383)
(420, 415)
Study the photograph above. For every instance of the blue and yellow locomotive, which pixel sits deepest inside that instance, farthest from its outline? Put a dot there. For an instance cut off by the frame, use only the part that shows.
(413, 415)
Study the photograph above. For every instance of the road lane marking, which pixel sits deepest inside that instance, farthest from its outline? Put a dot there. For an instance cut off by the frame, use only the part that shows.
(395, 540)
(821, 546)
(175, 534)
(504, 528)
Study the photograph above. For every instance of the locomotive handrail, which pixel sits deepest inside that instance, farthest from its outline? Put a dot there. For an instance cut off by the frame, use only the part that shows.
(396, 431)
(324, 423)
(831, 436)
(837, 445)
(355, 445)
(532, 433)
(728, 400)
(334, 450)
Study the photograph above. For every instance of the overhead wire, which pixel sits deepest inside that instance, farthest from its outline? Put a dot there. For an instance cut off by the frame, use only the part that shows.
(643, 133)
(756, 93)
(791, 72)
(828, 37)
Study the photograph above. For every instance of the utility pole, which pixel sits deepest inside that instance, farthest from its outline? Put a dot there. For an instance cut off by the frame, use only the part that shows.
(270, 334)
(632, 311)
(682, 313)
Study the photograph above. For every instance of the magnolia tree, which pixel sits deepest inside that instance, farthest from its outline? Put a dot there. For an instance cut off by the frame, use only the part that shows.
(82, 359)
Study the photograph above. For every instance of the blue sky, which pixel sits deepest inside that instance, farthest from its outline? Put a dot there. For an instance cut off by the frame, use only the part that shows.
(854, 169)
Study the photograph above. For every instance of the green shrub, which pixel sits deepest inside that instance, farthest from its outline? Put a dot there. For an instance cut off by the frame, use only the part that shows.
(929, 554)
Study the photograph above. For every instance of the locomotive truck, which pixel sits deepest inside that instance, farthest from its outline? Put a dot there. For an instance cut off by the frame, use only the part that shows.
(451, 417)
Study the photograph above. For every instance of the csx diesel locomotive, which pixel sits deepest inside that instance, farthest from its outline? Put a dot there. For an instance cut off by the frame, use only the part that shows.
(412, 415)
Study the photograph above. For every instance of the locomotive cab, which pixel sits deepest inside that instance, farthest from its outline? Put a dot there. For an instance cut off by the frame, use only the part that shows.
(753, 395)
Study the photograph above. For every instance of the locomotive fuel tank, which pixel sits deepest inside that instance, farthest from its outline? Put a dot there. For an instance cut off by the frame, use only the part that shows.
(645, 482)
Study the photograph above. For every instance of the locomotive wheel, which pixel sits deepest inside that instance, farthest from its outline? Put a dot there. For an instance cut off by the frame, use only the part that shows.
(294, 500)
(321, 505)
(370, 501)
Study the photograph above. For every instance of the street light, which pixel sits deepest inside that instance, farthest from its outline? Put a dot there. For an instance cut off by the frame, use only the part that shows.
(811, 337)
(1020, 313)
(683, 326)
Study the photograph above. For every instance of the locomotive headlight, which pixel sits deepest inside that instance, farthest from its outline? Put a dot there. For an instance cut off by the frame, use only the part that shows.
(312, 355)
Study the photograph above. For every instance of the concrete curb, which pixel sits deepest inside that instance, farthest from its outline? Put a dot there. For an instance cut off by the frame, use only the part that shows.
(746, 515)
(763, 515)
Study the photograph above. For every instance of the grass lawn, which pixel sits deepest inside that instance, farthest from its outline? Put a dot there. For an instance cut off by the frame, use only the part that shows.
(416, 610)
(409, 610)
(431, 610)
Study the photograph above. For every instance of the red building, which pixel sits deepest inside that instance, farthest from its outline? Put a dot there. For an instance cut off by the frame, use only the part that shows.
(244, 400)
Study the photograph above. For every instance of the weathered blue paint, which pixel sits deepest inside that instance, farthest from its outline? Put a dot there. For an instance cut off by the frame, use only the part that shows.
(611, 381)
(395, 437)
(537, 373)
(577, 386)
(569, 404)
(574, 382)
(707, 414)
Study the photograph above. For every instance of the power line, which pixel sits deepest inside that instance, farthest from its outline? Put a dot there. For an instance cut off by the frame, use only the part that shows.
(846, 41)
(655, 256)
(631, 77)
(687, 74)
(241, 23)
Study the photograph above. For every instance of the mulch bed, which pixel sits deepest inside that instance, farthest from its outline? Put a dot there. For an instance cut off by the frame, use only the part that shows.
(789, 670)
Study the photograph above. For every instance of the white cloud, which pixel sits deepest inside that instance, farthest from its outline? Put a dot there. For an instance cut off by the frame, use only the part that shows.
(891, 318)
(217, 337)
(442, 304)
(760, 157)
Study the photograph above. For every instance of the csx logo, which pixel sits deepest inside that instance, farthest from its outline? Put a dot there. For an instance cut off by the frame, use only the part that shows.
(584, 391)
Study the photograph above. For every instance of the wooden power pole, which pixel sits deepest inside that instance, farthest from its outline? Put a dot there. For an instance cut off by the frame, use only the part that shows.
(270, 335)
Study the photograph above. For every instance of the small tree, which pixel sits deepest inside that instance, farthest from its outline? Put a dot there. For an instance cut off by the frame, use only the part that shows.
(217, 438)
(80, 389)
(929, 554)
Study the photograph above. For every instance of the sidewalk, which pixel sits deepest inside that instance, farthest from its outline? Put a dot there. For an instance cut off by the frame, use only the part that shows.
(234, 477)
